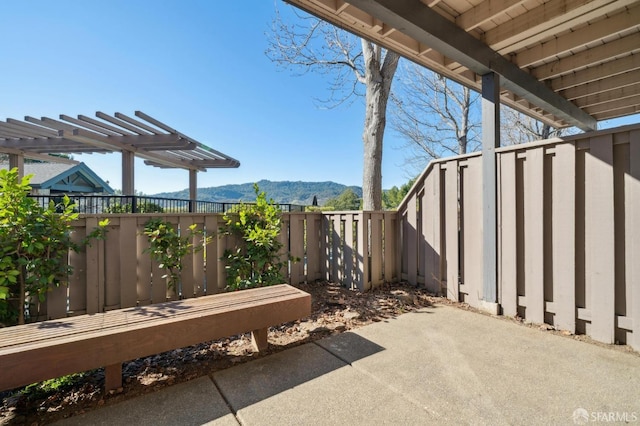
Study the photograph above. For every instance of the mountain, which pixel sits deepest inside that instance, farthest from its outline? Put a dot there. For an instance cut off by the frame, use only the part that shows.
(285, 192)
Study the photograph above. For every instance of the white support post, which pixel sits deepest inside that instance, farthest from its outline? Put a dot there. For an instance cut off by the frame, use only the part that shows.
(490, 141)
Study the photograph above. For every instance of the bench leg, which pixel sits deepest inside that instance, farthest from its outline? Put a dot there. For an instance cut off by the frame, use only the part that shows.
(112, 377)
(259, 339)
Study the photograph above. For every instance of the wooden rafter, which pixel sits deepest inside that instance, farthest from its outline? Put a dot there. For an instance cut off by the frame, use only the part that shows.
(144, 137)
(572, 49)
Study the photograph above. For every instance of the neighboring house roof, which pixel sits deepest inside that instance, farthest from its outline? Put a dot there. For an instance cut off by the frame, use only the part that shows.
(78, 178)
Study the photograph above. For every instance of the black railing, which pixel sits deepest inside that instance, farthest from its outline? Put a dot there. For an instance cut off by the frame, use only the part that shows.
(113, 204)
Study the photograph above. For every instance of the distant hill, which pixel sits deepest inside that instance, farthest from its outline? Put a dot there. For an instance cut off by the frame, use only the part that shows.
(285, 192)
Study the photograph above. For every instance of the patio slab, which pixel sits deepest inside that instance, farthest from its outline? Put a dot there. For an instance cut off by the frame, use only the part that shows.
(440, 365)
(465, 367)
(196, 402)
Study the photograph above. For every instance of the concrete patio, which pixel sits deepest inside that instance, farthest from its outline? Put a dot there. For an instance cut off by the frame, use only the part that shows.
(440, 365)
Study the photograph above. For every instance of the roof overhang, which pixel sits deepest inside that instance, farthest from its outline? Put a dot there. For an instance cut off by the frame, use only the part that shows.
(564, 62)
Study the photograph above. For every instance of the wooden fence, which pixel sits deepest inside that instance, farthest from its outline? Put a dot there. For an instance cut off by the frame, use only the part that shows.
(568, 232)
(118, 272)
(568, 251)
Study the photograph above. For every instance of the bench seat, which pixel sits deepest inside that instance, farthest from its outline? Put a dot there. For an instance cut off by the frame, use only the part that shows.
(34, 352)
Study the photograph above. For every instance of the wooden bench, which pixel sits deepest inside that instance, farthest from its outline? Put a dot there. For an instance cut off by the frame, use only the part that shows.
(34, 352)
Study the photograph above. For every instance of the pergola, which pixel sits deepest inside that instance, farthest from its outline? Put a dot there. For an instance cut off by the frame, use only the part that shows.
(563, 62)
(145, 137)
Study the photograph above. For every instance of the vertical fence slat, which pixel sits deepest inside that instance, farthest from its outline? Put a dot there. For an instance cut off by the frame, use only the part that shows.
(427, 249)
(336, 252)
(632, 237)
(198, 262)
(564, 237)
(314, 239)
(143, 268)
(376, 239)
(534, 235)
(508, 273)
(325, 247)
(211, 255)
(391, 246)
(363, 279)
(348, 251)
(95, 278)
(410, 236)
(296, 238)
(435, 274)
(128, 252)
(112, 267)
(171, 290)
(78, 278)
(187, 279)
(284, 240)
(601, 251)
(472, 231)
(452, 229)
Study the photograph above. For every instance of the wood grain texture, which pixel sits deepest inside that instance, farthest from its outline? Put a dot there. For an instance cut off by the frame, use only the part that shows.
(39, 351)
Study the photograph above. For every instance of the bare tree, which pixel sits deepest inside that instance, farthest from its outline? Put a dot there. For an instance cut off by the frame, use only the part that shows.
(309, 44)
(517, 128)
(435, 116)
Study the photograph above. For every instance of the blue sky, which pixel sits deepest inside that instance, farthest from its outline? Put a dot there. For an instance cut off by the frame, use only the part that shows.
(198, 66)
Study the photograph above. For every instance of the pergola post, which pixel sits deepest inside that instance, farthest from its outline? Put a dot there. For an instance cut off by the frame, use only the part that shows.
(193, 189)
(17, 160)
(128, 187)
(490, 141)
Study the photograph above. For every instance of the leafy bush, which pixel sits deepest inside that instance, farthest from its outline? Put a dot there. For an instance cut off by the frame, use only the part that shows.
(141, 207)
(168, 246)
(257, 261)
(34, 245)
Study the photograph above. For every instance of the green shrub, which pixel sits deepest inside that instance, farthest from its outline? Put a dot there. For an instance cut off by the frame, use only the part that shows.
(256, 261)
(34, 245)
(168, 246)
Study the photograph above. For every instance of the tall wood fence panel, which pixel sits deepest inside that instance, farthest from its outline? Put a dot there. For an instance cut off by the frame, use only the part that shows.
(357, 249)
(568, 232)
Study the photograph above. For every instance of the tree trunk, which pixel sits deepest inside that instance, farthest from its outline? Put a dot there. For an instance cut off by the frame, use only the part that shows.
(378, 78)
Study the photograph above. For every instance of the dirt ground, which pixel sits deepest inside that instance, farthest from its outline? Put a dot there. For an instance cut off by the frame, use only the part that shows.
(334, 310)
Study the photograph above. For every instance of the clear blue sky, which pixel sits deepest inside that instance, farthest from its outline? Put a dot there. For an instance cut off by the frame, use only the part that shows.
(198, 66)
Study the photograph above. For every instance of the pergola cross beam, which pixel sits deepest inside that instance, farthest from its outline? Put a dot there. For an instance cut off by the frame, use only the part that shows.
(145, 137)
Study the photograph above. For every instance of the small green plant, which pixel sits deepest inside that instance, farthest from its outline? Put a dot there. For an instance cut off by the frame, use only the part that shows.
(257, 261)
(168, 246)
(46, 387)
(34, 245)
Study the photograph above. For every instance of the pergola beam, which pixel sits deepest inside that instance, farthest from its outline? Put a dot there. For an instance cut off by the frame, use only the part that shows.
(89, 138)
(430, 28)
(119, 133)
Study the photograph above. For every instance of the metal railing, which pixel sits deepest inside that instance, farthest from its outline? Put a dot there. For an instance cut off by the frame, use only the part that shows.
(117, 204)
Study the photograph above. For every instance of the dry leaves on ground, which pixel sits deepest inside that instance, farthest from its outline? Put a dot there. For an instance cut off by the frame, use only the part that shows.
(334, 310)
